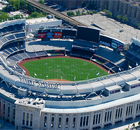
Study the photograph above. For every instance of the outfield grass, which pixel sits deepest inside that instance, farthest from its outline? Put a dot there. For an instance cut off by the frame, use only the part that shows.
(63, 68)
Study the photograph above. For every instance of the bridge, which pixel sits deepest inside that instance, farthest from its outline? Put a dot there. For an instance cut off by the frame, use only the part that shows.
(47, 9)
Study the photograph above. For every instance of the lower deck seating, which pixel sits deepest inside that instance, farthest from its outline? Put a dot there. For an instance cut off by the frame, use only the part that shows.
(82, 52)
(41, 53)
(115, 69)
(109, 64)
(129, 55)
(31, 54)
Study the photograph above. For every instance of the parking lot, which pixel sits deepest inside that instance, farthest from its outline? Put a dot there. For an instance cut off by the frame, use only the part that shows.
(109, 26)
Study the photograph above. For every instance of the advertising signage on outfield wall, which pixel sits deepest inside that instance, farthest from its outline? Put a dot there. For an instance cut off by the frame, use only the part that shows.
(69, 33)
(117, 45)
(104, 40)
(41, 35)
(57, 34)
(110, 42)
(49, 35)
(88, 34)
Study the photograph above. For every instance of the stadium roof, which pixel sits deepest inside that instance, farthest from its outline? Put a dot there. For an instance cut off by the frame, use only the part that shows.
(94, 108)
(135, 41)
(113, 87)
(133, 82)
(39, 20)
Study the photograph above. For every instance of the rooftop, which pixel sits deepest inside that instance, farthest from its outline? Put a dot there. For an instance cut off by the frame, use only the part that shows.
(40, 20)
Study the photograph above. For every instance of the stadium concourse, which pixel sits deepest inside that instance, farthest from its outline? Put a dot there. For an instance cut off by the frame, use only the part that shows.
(30, 103)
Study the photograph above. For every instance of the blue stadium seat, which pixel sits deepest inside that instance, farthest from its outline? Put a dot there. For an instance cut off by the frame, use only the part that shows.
(136, 59)
(14, 48)
(4, 40)
(41, 53)
(134, 48)
(1, 42)
(10, 37)
(82, 51)
(9, 50)
(109, 64)
(3, 30)
(125, 65)
(13, 58)
(31, 54)
(23, 54)
(10, 28)
(5, 51)
(116, 69)
(15, 45)
(21, 45)
(129, 55)
(18, 35)
(19, 26)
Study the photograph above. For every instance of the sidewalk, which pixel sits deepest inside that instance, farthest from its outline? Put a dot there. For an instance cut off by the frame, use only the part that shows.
(6, 126)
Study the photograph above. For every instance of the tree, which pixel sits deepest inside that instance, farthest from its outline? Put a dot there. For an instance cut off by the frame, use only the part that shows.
(83, 13)
(119, 17)
(41, 1)
(133, 125)
(23, 3)
(105, 11)
(3, 16)
(15, 3)
(10, 18)
(124, 19)
(138, 24)
(78, 13)
(109, 14)
(8, 8)
(35, 15)
(94, 11)
(90, 12)
(139, 123)
(70, 14)
(17, 16)
(56, 17)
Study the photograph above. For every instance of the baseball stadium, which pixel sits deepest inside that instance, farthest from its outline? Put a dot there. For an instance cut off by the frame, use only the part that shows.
(53, 77)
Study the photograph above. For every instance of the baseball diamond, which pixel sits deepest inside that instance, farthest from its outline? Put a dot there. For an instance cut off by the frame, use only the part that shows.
(63, 68)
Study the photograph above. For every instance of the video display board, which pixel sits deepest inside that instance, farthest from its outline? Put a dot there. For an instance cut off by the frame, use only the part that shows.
(104, 40)
(88, 34)
(117, 45)
(57, 34)
(112, 43)
(69, 34)
(41, 35)
(49, 35)
(44, 30)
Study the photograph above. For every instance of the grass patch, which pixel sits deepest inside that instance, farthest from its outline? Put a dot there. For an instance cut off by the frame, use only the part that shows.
(63, 68)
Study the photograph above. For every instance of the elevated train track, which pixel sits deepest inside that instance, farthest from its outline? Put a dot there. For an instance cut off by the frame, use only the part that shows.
(54, 12)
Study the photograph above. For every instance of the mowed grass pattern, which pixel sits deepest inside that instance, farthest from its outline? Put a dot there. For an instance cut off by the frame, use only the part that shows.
(63, 68)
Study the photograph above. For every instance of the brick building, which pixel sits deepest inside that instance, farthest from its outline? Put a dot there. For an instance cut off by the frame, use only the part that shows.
(130, 8)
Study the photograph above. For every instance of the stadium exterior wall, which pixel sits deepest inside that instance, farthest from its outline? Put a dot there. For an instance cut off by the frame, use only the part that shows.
(35, 26)
(38, 117)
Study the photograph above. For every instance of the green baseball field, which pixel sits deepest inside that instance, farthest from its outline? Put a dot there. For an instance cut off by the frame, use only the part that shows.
(71, 69)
